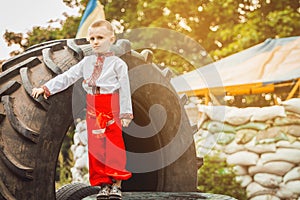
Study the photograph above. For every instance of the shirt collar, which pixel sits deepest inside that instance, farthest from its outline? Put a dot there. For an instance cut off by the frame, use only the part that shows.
(106, 54)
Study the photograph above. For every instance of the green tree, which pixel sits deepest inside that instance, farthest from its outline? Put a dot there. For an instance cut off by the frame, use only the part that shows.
(42, 34)
(216, 176)
(222, 27)
(267, 19)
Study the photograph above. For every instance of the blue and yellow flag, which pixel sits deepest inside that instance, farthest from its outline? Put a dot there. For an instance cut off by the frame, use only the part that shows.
(94, 11)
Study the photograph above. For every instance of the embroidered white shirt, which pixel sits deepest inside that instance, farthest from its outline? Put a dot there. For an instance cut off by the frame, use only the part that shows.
(114, 77)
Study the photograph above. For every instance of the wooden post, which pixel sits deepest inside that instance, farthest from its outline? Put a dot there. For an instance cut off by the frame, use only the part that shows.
(293, 91)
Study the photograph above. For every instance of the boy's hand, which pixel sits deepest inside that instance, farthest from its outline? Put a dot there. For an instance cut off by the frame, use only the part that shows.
(37, 91)
(125, 122)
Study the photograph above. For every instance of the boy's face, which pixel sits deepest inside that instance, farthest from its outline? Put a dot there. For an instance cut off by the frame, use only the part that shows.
(101, 39)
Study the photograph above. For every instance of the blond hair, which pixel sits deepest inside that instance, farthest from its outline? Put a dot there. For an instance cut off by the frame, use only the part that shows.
(102, 22)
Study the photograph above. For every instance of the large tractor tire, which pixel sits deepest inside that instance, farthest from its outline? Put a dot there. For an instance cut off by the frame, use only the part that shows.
(32, 130)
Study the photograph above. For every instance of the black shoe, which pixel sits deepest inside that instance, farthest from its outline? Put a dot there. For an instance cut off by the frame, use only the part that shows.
(103, 194)
(115, 193)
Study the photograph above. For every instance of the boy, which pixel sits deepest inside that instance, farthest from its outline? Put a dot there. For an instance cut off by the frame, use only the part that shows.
(108, 107)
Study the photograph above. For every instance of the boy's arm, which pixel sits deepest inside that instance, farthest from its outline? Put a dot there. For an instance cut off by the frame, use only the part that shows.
(60, 82)
(125, 94)
(64, 80)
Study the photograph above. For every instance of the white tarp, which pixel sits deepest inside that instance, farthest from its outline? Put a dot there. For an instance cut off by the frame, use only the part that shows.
(272, 61)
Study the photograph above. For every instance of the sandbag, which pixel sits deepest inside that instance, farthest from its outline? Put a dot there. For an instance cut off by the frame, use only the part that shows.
(268, 180)
(255, 189)
(267, 113)
(233, 147)
(204, 141)
(292, 175)
(216, 127)
(293, 186)
(83, 138)
(79, 151)
(225, 138)
(82, 162)
(253, 125)
(219, 148)
(244, 158)
(265, 197)
(238, 116)
(73, 148)
(203, 135)
(202, 119)
(287, 144)
(240, 170)
(76, 138)
(199, 135)
(293, 130)
(284, 193)
(204, 124)
(279, 168)
(244, 136)
(81, 126)
(260, 148)
(292, 105)
(80, 135)
(282, 154)
(244, 180)
(292, 114)
(192, 111)
(76, 175)
(215, 113)
(272, 135)
(289, 120)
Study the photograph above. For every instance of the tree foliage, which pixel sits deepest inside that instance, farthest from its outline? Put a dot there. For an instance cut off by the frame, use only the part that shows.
(40, 34)
(216, 176)
(222, 27)
(275, 19)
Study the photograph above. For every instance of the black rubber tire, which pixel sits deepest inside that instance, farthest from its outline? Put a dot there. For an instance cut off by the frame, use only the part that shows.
(32, 130)
(75, 191)
(78, 191)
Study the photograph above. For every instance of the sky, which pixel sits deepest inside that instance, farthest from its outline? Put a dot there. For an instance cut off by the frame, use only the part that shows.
(21, 15)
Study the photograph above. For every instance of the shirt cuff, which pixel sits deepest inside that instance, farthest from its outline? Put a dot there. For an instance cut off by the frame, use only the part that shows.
(126, 116)
(46, 91)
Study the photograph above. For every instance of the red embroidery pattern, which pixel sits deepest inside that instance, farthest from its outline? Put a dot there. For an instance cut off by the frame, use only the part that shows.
(46, 91)
(126, 116)
(98, 68)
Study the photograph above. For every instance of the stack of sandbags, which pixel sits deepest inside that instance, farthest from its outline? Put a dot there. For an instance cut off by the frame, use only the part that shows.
(80, 153)
(192, 109)
(263, 145)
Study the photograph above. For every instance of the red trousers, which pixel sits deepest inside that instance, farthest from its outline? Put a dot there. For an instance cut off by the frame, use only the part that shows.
(107, 155)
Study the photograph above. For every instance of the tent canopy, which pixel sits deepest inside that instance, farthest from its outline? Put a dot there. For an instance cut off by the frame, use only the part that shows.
(258, 67)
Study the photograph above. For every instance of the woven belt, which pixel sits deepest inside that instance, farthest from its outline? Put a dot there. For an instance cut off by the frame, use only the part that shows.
(95, 90)
(93, 116)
